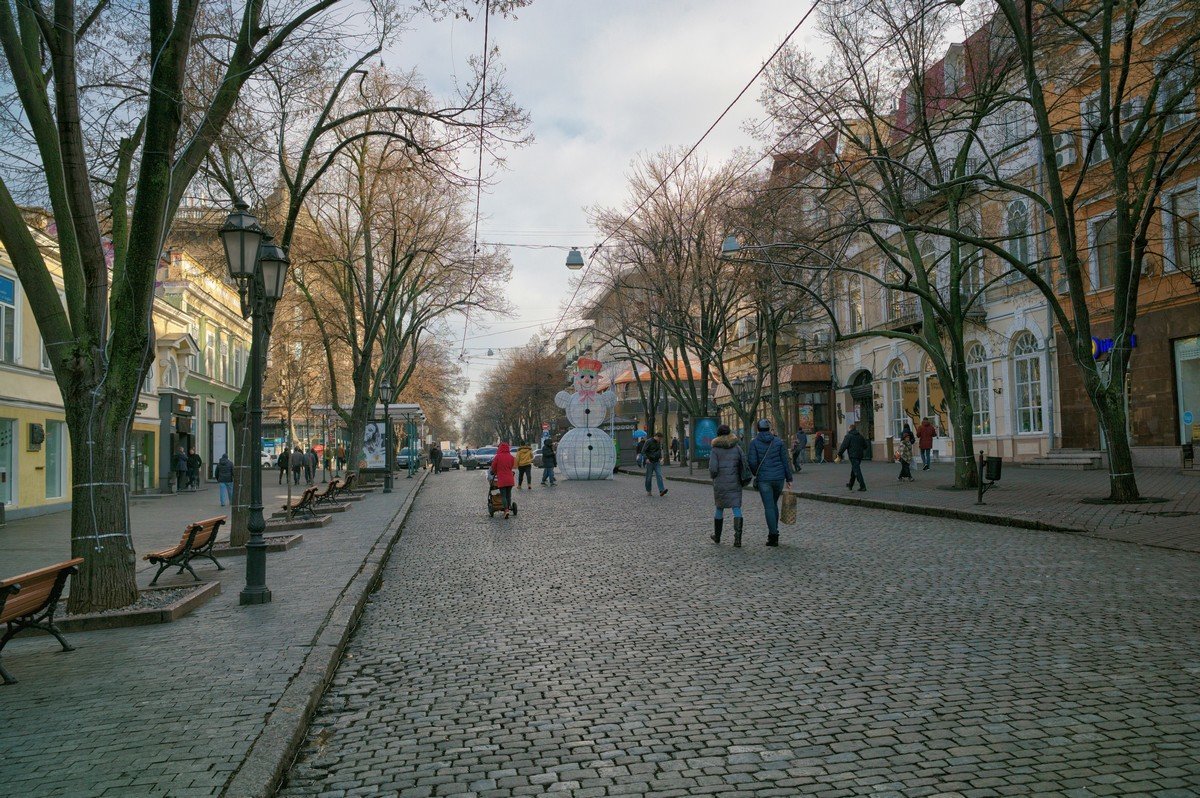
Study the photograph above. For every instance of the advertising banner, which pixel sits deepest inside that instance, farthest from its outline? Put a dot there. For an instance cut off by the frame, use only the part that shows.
(706, 430)
(374, 453)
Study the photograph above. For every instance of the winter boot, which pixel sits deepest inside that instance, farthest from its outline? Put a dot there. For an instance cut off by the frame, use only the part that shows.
(737, 533)
(773, 540)
(718, 525)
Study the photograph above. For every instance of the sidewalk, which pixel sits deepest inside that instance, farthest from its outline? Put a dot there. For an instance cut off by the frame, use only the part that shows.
(210, 704)
(1024, 497)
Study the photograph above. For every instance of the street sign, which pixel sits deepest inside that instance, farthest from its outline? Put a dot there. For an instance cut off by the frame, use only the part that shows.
(1187, 417)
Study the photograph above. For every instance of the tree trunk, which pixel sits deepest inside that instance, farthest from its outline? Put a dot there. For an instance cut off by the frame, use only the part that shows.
(100, 531)
(966, 472)
(1110, 410)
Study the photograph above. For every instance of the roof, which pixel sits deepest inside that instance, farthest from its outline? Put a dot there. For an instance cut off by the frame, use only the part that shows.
(679, 370)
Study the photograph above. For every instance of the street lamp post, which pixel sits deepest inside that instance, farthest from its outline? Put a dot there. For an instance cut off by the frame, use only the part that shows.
(386, 393)
(259, 267)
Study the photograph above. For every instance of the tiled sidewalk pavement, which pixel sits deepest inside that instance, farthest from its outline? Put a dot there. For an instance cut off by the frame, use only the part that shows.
(598, 644)
(1035, 498)
(173, 710)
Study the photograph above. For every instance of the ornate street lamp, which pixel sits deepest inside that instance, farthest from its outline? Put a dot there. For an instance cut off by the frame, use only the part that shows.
(387, 393)
(260, 269)
(730, 246)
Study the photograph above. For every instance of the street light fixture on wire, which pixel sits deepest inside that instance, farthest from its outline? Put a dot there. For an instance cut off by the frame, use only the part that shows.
(387, 393)
(260, 269)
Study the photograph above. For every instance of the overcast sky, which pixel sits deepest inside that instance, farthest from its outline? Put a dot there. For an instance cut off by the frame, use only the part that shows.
(603, 81)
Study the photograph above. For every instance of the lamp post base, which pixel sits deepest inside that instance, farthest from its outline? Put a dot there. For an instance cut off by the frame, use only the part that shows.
(254, 596)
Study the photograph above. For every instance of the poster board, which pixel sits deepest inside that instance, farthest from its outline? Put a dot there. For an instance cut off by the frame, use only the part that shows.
(218, 444)
(706, 430)
(373, 458)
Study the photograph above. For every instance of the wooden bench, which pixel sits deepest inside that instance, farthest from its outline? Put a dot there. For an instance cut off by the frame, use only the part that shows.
(197, 541)
(28, 601)
(305, 504)
(329, 494)
(345, 487)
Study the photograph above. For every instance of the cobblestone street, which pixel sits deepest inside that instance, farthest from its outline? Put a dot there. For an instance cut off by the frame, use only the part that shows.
(600, 644)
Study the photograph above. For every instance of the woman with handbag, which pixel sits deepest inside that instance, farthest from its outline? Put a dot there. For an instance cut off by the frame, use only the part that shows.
(729, 473)
(769, 463)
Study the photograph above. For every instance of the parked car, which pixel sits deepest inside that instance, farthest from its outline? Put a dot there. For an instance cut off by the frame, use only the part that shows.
(537, 457)
(450, 460)
(482, 458)
(268, 460)
(402, 456)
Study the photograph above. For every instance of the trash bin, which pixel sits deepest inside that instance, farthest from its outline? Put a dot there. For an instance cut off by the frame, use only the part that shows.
(992, 469)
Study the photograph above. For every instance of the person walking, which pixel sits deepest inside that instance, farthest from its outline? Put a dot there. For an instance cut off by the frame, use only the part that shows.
(525, 466)
(310, 465)
(639, 450)
(194, 464)
(341, 458)
(819, 448)
(281, 463)
(906, 453)
(727, 467)
(296, 461)
(799, 449)
(225, 479)
(549, 461)
(675, 449)
(769, 464)
(435, 458)
(652, 453)
(501, 471)
(855, 446)
(925, 435)
(179, 464)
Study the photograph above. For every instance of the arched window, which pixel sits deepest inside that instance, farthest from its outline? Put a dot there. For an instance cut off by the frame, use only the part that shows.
(980, 390)
(896, 395)
(171, 374)
(1016, 223)
(1106, 253)
(1027, 383)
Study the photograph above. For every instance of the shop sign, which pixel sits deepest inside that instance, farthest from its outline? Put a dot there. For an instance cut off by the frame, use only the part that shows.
(183, 406)
(1102, 346)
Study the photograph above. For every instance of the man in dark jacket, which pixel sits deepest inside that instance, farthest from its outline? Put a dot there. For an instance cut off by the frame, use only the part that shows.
(281, 462)
(194, 464)
(296, 461)
(179, 464)
(549, 461)
(769, 462)
(855, 446)
(652, 453)
(225, 479)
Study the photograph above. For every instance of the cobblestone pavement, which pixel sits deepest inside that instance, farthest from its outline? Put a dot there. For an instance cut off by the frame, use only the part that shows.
(599, 644)
(172, 710)
(1046, 496)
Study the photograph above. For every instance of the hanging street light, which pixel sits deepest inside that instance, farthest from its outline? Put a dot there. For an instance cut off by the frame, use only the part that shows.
(575, 259)
(260, 269)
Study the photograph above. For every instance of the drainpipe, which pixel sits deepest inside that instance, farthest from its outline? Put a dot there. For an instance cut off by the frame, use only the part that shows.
(1051, 338)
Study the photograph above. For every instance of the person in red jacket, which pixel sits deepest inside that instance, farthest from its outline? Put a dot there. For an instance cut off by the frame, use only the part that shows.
(925, 435)
(501, 470)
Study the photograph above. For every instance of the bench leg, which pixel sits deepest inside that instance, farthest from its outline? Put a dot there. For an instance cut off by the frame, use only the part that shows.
(5, 675)
(52, 629)
(164, 566)
(215, 562)
(188, 566)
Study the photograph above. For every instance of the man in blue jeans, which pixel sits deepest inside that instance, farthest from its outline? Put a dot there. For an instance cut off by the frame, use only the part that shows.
(652, 452)
(769, 462)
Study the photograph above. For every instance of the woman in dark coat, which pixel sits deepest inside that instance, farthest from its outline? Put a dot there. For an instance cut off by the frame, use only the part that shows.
(726, 466)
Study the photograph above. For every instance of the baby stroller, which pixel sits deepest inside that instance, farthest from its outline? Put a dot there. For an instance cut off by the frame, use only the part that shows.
(495, 501)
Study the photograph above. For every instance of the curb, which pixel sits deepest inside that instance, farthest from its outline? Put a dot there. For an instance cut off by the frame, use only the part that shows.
(272, 752)
(912, 509)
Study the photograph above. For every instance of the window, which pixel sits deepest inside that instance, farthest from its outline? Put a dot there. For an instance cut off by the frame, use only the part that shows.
(900, 303)
(971, 266)
(170, 377)
(45, 362)
(210, 346)
(1027, 369)
(854, 302)
(1094, 122)
(1105, 248)
(980, 390)
(1177, 92)
(224, 349)
(937, 270)
(935, 400)
(897, 396)
(1012, 126)
(8, 320)
(1016, 234)
(148, 382)
(1183, 229)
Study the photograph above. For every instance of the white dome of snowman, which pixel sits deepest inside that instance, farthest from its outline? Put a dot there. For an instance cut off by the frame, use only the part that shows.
(586, 451)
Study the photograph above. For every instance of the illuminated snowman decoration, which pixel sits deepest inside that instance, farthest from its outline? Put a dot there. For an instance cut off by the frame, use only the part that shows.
(586, 451)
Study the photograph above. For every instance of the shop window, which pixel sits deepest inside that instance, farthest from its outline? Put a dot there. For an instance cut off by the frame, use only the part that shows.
(980, 390)
(1187, 377)
(1027, 371)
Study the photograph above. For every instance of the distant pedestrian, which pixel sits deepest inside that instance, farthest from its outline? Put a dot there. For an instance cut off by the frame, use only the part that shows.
(194, 464)
(855, 446)
(179, 464)
(341, 458)
(296, 461)
(675, 449)
(225, 479)
(639, 449)
(652, 454)
(435, 458)
(501, 471)
(819, 448)
(525, 466)
(925, 435)
(799, 449)
(310, 465)
(768, 461)
(906, 454)
(728, 470)
(281, 463)
(549, 461)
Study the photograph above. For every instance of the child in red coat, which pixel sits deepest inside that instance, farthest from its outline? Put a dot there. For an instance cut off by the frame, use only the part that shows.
(501, 470)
